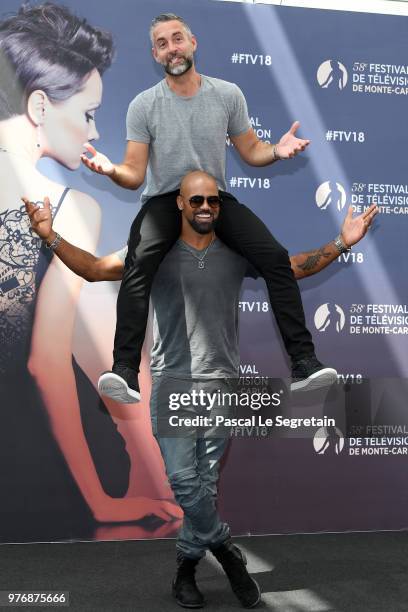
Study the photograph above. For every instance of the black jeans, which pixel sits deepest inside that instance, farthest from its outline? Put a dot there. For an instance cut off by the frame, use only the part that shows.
(153, 233)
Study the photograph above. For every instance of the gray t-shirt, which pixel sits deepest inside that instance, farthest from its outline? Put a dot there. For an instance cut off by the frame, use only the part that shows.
(195, 312)
(186, 133)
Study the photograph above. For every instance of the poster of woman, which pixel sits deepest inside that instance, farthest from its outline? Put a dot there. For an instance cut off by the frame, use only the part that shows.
(65, 465)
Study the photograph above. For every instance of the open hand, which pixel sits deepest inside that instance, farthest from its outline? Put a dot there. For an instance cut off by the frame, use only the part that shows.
(99, 162)
(123, 509)
(136, 531)
(354, 229)
(290, 145)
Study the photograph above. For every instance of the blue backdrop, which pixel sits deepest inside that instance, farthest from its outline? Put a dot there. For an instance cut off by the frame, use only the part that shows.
(344, 76)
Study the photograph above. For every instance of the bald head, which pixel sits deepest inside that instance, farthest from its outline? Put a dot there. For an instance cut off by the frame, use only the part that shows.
(198, 202)
(196, 181)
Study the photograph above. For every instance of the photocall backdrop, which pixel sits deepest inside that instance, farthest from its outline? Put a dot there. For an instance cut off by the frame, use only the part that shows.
(344, 76)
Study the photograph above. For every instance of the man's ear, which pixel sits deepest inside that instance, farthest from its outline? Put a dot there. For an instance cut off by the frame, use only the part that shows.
(154, 53)
(37, 105)
(194, 41)
(180, 202)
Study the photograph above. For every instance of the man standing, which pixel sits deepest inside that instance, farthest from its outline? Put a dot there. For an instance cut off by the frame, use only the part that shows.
(173, 128)
(195, 299)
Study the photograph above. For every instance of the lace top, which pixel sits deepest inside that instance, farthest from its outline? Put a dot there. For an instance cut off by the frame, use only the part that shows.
(23, 262)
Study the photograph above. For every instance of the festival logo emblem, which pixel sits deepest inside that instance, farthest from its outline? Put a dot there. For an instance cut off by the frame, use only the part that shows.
(331, 192)
(329, 314)
(328, 441)
(332, 73)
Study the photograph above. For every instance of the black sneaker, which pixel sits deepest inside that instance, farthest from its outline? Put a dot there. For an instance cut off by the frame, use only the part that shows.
(120, 384)
(184, 588)
(309, 374)
(233, 562)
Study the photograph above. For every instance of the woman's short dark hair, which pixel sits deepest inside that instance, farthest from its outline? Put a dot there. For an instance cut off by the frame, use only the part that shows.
(46, 47)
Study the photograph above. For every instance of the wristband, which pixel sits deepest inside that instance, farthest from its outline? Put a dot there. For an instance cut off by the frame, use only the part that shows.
(340, 246)
(276, 156)
(53, 245)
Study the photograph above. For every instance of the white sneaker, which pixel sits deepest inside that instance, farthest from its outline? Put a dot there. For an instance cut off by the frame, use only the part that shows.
(309, 374)
(118, 388)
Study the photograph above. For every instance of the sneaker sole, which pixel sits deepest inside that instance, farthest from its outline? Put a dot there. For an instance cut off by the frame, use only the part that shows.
(114, 386)
(321, 378)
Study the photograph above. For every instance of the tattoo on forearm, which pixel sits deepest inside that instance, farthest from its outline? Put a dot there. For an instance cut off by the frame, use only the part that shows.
(313, 259)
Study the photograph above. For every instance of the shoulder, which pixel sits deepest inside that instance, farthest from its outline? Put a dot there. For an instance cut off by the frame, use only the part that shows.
(224, 87)
(78, 219)
(77, 204)
(147, 96)
(73, 199)
(79, 199)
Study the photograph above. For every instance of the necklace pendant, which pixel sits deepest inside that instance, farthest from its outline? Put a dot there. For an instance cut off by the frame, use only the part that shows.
(201, 265)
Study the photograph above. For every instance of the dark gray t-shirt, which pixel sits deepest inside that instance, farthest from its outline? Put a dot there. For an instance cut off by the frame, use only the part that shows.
(186, 133)
(195, 312)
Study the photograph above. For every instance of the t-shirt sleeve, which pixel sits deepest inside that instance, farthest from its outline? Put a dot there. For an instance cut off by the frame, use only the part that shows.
(136, 124)
(239, 119)
(122, 254)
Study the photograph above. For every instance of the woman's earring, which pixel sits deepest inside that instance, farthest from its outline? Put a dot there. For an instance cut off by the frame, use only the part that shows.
(38, 136)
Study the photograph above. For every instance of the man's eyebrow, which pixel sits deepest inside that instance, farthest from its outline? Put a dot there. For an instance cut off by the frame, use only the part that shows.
(162, 38)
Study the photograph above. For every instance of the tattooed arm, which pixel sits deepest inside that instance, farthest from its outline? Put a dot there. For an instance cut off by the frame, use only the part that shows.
(311, 262)
(352, 231)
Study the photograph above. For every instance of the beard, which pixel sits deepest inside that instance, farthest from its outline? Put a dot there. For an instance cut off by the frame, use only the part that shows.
(203, 227)
(180, 68)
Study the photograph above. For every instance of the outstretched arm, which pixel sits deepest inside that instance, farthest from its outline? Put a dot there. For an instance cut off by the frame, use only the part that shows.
(352, 231)
(83, 263)
(130, 173)
(258, 153)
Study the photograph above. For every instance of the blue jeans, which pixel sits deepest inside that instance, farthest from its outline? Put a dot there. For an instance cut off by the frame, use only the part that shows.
(192, 467)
